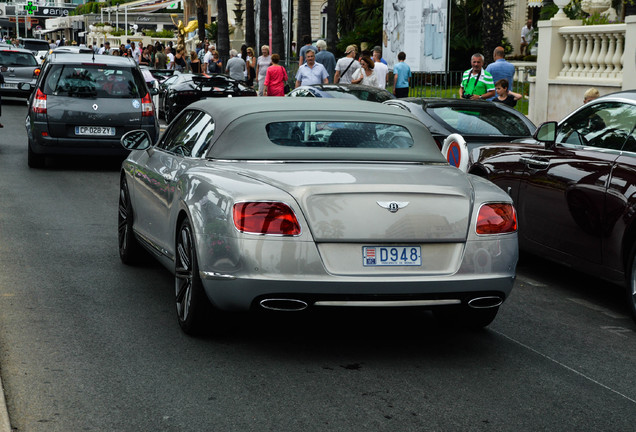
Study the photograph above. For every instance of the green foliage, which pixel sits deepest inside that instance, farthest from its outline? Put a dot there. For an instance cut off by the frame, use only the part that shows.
(507, 46)
(165, 33)
(211, 31)
(369, 31)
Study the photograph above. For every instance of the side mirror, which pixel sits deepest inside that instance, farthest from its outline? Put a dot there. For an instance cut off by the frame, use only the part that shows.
(136, 140)
(153, 91)
(546, 133)
(25, 87)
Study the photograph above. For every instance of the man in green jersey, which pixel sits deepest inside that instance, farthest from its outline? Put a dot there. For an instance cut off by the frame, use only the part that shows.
(477, 83)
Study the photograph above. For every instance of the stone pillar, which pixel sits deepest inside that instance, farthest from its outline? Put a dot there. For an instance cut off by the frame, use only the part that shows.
(549, 64)
(629, 53)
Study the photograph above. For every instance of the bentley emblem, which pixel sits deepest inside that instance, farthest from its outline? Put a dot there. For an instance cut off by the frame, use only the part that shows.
(393, 206)
(95, 107)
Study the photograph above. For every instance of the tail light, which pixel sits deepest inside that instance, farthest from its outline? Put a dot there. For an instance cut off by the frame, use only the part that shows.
(36, 72)
(273, 218)
(39, 102)
(496, 218)
(147, 108)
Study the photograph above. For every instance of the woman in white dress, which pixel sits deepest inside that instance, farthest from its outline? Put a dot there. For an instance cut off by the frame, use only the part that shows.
(365, 75)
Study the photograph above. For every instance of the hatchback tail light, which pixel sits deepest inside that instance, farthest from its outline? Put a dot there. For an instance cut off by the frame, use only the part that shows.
(273, 218)
(496, 218)
(39, 102)
(36, 72)
(147, 108)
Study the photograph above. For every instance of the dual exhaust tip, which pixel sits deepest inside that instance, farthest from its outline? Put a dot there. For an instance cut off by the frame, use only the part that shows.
(296, 305)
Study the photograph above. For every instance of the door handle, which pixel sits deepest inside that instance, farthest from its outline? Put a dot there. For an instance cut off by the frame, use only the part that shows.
(536, 163)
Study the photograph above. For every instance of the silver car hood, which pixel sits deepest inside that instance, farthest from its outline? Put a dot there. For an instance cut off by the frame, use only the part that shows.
(375, 202)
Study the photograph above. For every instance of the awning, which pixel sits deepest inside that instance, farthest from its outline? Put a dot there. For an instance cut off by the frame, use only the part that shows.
(48, 30)
(535, 3)
(131, 5)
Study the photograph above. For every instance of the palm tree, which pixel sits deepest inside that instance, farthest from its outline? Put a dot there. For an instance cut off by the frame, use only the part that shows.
(304, 20)
(278, 38)
(202, 17)
(250, 35)
(332, 25)
(223, 28)
(263, 26)
(493, 15)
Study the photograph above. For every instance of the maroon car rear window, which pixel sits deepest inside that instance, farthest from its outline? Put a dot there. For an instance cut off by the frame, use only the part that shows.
(480, 120)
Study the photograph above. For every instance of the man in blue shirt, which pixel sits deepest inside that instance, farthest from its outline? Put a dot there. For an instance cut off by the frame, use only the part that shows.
(311, 72)
(500, 68)
(326, 59)
(401, 77)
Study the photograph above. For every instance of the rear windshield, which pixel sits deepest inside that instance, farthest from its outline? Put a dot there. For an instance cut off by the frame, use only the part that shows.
(36, 45)
(358, 94)
(17, 58)
(94, 81)
(339, 134)
(215, 82)
(484, 120)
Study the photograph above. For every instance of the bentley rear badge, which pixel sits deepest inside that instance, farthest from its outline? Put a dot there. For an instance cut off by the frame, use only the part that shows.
(95, 107)
(393, 206)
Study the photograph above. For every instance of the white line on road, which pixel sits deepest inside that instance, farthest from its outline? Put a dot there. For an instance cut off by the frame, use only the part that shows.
(597, 308)
(566, 367)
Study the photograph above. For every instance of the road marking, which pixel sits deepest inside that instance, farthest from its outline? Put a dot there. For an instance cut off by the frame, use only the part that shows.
(597, 308)
(565, 366)
(619, 331)
(530, 281)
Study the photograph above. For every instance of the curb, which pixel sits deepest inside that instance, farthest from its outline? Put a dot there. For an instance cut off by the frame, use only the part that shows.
(5, 425)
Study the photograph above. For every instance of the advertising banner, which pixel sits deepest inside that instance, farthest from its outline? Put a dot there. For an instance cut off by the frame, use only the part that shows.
(420, 29)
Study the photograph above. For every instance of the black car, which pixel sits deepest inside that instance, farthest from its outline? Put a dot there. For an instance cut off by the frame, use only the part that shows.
(82, 105)
(179, 91)
(478, 122)
(343, 91)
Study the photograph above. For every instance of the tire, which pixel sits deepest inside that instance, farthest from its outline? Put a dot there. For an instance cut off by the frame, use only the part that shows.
(193, 307)
(631, 284)
(465, 317)
(35, 160)
(130, 251)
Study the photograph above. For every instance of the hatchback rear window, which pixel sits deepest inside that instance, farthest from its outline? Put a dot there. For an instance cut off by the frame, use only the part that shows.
(339, 134)
(36, 45)
(94, 81)
(17, 58)
(486, 120)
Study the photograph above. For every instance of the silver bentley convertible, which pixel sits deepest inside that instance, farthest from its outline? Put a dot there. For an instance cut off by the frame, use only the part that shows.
(297, 204)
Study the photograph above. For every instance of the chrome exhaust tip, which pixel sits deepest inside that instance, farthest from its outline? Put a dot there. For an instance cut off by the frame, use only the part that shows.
(485, 302)
(279, 304)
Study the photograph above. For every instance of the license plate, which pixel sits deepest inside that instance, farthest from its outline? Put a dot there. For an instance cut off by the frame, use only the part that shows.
(10, 85)
(373, 256)
(95, 130)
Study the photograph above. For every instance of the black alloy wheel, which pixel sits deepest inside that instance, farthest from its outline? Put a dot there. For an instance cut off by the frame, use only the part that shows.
(130, 250)
(631, 284)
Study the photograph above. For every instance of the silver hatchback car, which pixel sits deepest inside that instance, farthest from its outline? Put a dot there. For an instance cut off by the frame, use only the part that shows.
(18, 66)
(83, 104)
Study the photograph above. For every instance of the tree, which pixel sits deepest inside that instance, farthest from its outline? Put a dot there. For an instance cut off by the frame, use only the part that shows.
(263, 20)
(278, 38)
(492, 26)
(304, 21)
(250, 35)
(332, 25)
(202, 17)
(223, 29)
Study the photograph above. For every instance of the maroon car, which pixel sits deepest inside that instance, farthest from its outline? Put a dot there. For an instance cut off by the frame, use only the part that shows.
(574, 188)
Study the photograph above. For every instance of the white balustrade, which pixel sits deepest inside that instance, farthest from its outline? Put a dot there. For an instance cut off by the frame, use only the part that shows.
(593, 52)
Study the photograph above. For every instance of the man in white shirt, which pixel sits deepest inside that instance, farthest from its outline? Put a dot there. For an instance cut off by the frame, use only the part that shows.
(346, 66)
(170, 64)
(381, 70)
(207, 58)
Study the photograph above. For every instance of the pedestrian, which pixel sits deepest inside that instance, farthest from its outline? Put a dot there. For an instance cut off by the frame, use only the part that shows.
(250, 66)
(504, 95)
(195, 63)
(235, 66)
(207, 60)
(401, 77)
(262, 63)
(105, 49)
(346, 66)
(325, 58)
(381, 69)
(145, 57)
(477, 82)
(590, 94)
(215, 65)
(527, 34)
(275, 78)
(180, 61)
(170, 55)
(311, 72)
(501, 68)
(161, 59)
(306, 45)
(365, 75)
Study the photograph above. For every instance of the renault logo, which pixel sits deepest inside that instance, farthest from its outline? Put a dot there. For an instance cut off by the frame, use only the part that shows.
(95, 107)
(393, 206)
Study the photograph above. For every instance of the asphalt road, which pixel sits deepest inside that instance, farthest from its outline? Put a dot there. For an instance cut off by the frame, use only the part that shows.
(88, 344)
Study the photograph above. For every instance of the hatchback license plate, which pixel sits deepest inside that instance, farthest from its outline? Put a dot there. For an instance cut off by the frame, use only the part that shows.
(10, 85)
(95, 130)
(373, 256)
